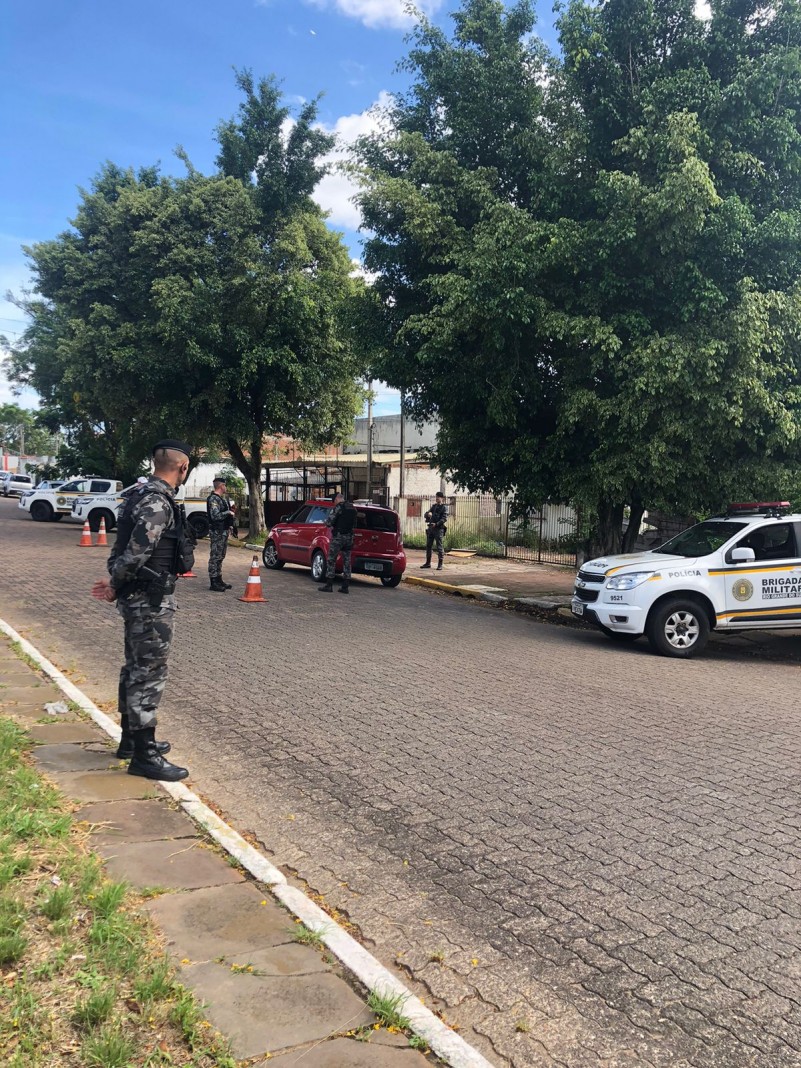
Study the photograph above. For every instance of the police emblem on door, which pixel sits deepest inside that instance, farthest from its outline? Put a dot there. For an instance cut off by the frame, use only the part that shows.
(742, 590)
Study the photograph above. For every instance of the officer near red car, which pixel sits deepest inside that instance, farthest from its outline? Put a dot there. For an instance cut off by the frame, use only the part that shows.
(436, 518)
(342, 521)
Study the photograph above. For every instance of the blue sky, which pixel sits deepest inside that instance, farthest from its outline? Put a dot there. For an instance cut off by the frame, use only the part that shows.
(92, 80)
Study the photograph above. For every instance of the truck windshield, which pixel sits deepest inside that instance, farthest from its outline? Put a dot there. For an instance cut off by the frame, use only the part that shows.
(701, 540)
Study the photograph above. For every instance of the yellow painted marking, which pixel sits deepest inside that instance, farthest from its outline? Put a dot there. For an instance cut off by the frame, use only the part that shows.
(754, 570)
(761, 611)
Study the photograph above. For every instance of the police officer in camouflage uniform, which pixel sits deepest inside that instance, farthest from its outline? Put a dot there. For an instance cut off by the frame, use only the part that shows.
(436, 518)
(342, 521)
(151, 548)
(221, 522)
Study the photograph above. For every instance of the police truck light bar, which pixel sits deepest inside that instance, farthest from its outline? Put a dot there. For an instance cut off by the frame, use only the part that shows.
(768, 508)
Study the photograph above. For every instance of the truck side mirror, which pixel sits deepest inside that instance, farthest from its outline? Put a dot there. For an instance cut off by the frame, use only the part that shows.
(742, 555)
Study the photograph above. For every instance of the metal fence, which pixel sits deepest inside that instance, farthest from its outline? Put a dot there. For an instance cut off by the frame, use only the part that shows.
(487, 526)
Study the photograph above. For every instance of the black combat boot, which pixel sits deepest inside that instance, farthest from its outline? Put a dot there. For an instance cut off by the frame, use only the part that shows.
(328, 588)
(227, 585)
(126, 746)
(344, 587)
(439, 566)
(425, 565)
(217, 586)
(148, 762)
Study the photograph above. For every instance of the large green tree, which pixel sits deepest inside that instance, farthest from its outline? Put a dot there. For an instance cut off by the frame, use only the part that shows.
(588, 264)
(210, 307)
(254, 289)
(21, 431)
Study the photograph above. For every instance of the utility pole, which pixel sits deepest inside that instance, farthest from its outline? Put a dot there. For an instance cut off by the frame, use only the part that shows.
(369, 492)
(402, 471)
(21, 446)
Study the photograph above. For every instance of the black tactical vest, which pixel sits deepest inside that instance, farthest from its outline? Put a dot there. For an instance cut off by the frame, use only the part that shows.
(165, 555)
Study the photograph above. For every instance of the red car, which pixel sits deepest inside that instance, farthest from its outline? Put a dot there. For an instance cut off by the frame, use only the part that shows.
(303, 538)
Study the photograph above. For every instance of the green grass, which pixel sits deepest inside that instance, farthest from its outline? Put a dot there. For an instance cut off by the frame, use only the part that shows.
(303, 934)
(83, 970)
(387, 1008)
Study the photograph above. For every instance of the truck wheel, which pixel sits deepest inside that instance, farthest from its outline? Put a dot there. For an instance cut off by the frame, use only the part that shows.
(269, 555)
(102, 513)
(41, 512)
(199, 525)
(678, 628)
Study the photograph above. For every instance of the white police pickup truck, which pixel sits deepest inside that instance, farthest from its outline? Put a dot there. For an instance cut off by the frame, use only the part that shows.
(107, 505)
(47, 504)
(738, 571)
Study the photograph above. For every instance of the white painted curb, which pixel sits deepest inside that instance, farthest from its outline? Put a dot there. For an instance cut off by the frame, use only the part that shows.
(449, 1046)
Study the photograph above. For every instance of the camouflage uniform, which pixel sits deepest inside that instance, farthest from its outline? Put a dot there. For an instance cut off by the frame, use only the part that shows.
(340, 543)
(220, 525)
(148, 630)
(436, 518)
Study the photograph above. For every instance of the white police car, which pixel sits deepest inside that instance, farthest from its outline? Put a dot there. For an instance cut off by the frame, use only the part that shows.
(738, 571)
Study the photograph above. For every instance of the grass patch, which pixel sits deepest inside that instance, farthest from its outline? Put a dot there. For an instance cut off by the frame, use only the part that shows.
(83, 980)
(303, 934)
(387, 1008)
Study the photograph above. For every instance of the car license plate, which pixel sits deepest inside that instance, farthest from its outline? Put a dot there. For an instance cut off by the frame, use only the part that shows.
(577, 608)
(370, 565)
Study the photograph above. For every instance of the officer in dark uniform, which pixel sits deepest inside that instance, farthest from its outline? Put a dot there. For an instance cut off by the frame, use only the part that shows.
(342, 521)
(151, 548)
(436, 518)
(221, 522)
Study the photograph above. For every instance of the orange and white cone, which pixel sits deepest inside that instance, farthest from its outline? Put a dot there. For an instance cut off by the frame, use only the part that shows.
(253, 588)
(187, 574)
(102, 541)
(86, 537)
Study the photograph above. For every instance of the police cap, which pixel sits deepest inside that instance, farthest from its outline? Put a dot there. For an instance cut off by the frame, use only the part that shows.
(172, 443)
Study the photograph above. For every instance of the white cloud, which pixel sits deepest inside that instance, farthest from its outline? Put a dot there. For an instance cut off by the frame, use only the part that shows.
(335, 192)
(374, 13)
(702, 10)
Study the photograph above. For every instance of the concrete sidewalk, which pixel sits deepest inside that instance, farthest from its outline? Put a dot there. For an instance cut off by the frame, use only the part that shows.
(521, 585)
(274, 998)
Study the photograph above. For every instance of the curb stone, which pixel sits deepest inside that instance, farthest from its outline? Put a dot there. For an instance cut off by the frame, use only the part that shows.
(443, 1041)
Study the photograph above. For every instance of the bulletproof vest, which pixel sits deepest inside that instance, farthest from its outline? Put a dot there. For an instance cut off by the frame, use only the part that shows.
(345, 522)
(216, 524)
(164, 557)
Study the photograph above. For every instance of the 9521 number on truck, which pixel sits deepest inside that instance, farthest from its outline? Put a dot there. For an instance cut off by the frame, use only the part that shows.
(734, 572)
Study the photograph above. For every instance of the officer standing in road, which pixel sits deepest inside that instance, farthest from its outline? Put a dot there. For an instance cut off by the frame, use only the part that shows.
(151, 548)
(342, 521)
(436, 518)
(221, 522)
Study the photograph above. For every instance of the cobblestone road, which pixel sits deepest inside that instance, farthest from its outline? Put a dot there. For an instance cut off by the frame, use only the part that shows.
(588, 856)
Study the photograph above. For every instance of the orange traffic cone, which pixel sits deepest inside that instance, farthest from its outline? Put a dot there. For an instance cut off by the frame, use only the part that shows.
(253, 588)
(187, 574)
(86, 537)
(102, 541)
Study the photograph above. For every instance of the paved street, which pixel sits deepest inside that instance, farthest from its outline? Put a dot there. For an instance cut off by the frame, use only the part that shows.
(586, 855)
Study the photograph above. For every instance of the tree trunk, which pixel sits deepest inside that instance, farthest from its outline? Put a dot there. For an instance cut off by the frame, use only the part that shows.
(250, 466)
(633, 530)
(606, 539)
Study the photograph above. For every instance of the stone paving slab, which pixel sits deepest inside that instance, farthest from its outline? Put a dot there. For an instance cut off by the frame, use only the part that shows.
(104, 785)
(70, 730)
(135, 821)
(222, 921)
(11, 675)
(172, 864)
(32, 712)
(263, 1014)
(41, 692)
(70, 757)
(348, 1053)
